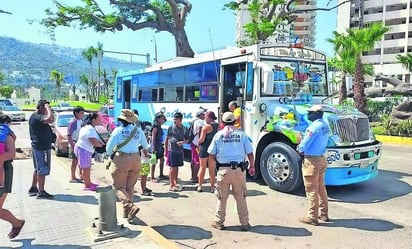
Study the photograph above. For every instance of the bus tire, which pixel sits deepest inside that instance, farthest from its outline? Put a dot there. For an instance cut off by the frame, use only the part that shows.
(280, 166)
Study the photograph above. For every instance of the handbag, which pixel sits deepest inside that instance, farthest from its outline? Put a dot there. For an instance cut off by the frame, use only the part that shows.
(117, 147)
(102, 149)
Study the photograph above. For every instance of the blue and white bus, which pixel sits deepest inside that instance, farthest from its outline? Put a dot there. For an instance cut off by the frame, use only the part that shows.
(274, 85)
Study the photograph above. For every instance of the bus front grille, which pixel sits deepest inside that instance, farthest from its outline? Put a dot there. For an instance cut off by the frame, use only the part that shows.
(353, 129)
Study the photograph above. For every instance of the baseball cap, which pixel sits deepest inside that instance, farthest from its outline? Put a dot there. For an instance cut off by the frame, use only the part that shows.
(178, 115)
(228, 117)
(41, 103)
(315, 108)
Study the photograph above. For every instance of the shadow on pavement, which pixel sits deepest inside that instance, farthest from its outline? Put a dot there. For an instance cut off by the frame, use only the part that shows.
(274, 230)
(87, 199)
(181, 232)
(27, 243)
(387, 185)
(363, 224)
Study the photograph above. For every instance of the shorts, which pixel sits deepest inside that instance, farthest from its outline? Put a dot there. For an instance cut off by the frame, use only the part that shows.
(41, 161)
(8, 176)
(160, 153)
(175, 159)
(145, 169)
(84, 157)
(195, 155)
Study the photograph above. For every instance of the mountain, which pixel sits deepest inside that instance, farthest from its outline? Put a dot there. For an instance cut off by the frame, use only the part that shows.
(30, 63)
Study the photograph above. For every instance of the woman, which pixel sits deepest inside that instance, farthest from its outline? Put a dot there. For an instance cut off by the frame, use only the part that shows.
(123, 148)
(206, 136)
(84, 148)
(8, 138)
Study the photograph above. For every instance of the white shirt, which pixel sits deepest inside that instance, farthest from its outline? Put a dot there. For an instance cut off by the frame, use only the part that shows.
(198, 123)
(85, 133)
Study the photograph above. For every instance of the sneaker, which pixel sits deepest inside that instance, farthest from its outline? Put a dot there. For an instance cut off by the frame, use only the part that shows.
(149, 190)
(218, 226)
(44, 195)
(324, 218)
(308, 220)
(245, 228)
(91, 187)
(33, 191)
(146, 193)
(132, 213)
(199, 189)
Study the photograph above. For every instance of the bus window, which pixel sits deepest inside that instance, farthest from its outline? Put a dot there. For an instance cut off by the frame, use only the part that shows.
(154, 95)
(192, 94)
(173, 94)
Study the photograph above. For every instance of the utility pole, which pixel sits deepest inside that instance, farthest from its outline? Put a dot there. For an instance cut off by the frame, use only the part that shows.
(361, 8)
(145, 55)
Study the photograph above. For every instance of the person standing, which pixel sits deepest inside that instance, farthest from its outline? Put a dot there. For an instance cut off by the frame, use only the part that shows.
(228, 149)
(157, 146)
(126, 159)
(313, 148)
(206, 136)
(73, 135)
(8, 139)
(85, 146)
(197, 124)
(176, 137)
(237, 112)
(41, 136)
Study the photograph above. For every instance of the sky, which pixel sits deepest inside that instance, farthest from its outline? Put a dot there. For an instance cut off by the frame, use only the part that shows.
(208, 27)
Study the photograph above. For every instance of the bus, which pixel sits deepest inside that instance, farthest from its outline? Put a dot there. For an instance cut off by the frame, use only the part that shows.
(274, 84)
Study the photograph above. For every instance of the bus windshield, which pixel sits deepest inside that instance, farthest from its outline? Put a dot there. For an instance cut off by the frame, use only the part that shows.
(291, 77)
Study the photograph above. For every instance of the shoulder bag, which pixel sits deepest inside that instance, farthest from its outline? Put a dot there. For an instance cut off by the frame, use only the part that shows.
(117, 147)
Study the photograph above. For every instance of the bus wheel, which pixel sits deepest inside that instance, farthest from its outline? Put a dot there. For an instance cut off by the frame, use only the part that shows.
(280, 167)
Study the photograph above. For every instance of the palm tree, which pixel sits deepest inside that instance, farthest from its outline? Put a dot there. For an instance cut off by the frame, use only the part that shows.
(57, 77)
(406, 61)
(361, 40)
(84, 79)
(89, 54)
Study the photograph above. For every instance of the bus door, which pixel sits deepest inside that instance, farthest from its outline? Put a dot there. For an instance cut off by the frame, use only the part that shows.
(232, 78)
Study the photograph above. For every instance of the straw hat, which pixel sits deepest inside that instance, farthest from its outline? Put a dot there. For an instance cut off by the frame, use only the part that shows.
(128, 116)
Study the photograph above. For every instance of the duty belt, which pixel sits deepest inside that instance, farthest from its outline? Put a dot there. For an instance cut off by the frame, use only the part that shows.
(228, 165)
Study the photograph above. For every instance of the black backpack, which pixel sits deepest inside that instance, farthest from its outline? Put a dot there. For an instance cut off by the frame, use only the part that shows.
(190, 132)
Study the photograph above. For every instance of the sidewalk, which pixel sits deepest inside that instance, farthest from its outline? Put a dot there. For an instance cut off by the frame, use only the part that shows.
(65, 221)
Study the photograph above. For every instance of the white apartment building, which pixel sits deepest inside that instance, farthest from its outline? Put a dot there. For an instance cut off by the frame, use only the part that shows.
(395, 14)
(303, 27)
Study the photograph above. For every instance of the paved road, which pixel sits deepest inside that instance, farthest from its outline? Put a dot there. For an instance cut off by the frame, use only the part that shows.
(374, 214)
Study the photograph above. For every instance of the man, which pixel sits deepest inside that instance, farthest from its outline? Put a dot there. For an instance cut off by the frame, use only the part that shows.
(41, 137)
(73, 135)
(228, 148)
(235, 109)
(313, 147)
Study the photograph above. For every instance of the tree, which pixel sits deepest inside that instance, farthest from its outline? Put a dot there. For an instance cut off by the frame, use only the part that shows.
(405, 60)
(89, 53)
(268, 17)
(86, 82)
(345, 61)
(6, 91)
(58, 78)
(99, 53)
(360, 40)
(160, 15)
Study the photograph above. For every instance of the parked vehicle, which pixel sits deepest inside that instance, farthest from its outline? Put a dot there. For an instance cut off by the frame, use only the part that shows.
(6, 102)
(61, 107)
(62, 120)
(14, 112)
(107, 117)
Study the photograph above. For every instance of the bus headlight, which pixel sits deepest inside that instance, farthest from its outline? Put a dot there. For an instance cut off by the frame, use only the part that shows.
(262, 107)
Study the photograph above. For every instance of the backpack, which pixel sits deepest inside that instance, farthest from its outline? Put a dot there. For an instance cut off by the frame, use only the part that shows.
(190, 132)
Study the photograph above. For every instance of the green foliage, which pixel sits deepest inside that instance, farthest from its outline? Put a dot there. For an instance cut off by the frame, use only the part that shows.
(103, 99)
(404, 128)
(378, 130)
(405, 60)
(6, 91)
(375, 110)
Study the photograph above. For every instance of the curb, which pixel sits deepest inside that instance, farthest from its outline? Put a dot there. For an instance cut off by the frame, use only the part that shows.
(394, 139)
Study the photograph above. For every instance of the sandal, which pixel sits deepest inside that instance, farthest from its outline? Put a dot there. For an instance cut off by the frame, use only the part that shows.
(16, 230)
(212, 189)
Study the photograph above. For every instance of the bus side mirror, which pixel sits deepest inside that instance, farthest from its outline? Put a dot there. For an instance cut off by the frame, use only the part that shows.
(266, 77)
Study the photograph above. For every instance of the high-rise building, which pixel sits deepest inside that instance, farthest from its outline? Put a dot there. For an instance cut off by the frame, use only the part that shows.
(302, 29)
(395, 14)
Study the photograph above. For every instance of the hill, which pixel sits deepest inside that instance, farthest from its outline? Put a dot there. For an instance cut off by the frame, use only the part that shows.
(29, 63)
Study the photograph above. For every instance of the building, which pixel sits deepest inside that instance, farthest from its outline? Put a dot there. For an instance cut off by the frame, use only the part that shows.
(395, 14)
(301, 30)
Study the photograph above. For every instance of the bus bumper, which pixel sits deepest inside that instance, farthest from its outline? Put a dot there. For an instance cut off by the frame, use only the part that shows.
(345, 176)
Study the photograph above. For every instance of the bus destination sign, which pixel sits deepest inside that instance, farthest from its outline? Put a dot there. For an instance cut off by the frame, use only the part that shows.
(292, 52)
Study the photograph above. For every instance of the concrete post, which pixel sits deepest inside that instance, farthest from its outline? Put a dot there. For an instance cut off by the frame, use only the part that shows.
(107, 208)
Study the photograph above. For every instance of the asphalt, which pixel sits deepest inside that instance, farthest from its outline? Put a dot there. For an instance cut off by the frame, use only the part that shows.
(67, 221)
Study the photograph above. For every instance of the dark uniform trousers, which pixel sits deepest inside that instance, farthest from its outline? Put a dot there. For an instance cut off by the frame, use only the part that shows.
(313, 170)
(236, 178)
(125, 171)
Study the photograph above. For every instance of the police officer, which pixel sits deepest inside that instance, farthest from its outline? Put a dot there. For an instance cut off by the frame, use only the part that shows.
(126, 159)
(228, 148)
(313, 147)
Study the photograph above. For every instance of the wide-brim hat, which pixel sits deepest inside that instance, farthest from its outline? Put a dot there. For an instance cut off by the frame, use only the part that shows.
(128, 116)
